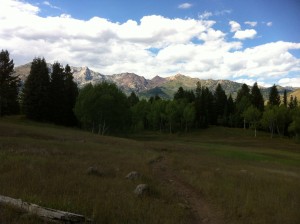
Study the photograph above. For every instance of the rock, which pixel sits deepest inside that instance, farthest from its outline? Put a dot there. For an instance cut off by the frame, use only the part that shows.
(94, 171)
(133, 175)
(141, 190)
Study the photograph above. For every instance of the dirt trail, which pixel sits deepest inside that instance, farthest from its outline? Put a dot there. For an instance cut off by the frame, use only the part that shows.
(202, 212)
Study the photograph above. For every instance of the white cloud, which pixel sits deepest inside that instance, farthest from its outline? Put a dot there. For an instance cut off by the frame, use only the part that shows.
(251, 23)
(47, 3)
(185, 5)
(223, 12)
(192, 47)
(244, 34)
(235, 26)
(205, 15)
(269, 23)
(294, 82)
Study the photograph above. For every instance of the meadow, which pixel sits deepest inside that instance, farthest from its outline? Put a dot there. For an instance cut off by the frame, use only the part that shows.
(218, 175)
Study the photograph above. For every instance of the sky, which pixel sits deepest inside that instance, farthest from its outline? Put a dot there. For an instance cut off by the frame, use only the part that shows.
(244, 41)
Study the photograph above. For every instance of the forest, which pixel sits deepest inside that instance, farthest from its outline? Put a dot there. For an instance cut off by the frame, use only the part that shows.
(104, 109)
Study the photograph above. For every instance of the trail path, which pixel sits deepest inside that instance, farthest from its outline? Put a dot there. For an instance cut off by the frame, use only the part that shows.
(202, 212)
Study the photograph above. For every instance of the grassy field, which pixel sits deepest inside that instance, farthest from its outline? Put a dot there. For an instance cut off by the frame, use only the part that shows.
(239, 178)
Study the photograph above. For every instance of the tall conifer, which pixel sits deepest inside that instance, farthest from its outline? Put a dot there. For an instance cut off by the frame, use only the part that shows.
(257, 99)
(35, 100)
(9, 84)
(274, 98)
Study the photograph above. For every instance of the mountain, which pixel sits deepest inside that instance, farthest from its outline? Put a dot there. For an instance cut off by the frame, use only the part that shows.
(145, 88)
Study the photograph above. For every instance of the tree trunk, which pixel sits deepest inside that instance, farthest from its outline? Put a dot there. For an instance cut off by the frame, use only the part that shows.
(45, 213)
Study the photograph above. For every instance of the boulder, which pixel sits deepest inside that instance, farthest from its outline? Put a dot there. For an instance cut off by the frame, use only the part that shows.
(94, 171)
(133, 175)
(141, 189)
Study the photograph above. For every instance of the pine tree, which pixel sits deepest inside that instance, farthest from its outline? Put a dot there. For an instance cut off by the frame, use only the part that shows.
(220, 103)
(257, 99)
(285, 98)
(70, 96)
(274, 98)
(133, 99)
(9, 84)
(35, 100)
(56, 94)
(243, 101)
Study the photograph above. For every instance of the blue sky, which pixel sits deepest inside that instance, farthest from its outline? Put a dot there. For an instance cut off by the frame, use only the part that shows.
(245, 41)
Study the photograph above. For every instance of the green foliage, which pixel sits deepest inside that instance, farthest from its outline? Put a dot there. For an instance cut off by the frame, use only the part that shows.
(9, 84)
(257, 99)
(35, 97)
(50, 98)
(243, 101)
(285, 98)
(293, 102)
(220, 104)
(139, 114)
(133, 99)
(252, 115)
(294, 127)
(274, 98)
(56, 94)
(189, 113)
(70, 96)
(103, 107)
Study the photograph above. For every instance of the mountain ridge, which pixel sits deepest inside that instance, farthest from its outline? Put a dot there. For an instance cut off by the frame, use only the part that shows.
(164, 87)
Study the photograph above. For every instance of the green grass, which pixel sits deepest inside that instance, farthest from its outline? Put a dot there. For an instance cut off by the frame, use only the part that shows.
(245, 179)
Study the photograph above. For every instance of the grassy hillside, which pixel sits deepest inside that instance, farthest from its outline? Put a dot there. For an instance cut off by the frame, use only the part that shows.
(217, 175)
(295, 93)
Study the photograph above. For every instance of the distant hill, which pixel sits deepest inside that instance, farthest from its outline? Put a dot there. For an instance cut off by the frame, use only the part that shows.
(295, 93)
(164, 87)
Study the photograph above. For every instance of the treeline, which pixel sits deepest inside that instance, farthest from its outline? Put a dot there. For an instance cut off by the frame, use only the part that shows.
(45, 96)
(103, 108)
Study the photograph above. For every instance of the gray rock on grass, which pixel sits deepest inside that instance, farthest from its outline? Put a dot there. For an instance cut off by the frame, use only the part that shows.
(141, 190)
(133, 175)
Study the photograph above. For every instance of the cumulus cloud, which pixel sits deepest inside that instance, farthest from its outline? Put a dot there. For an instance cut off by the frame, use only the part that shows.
(269, 23)
(244, 34)
(185, 5)
(241, 34)
(294, 82)
(235, 26)
(189, 46)
(253, 23)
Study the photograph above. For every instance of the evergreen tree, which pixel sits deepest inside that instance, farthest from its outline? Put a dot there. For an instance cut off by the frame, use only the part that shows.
(57, 94)
(9, 85)
(133, 99)
(220, 104)
(285, 98)
(292, 104)
(180, 94)
(70, 96)
(35, 100)
(243, 101)
(204, 106)
(274, 98)
(243, 92)
(229, 111)
(257, 99)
